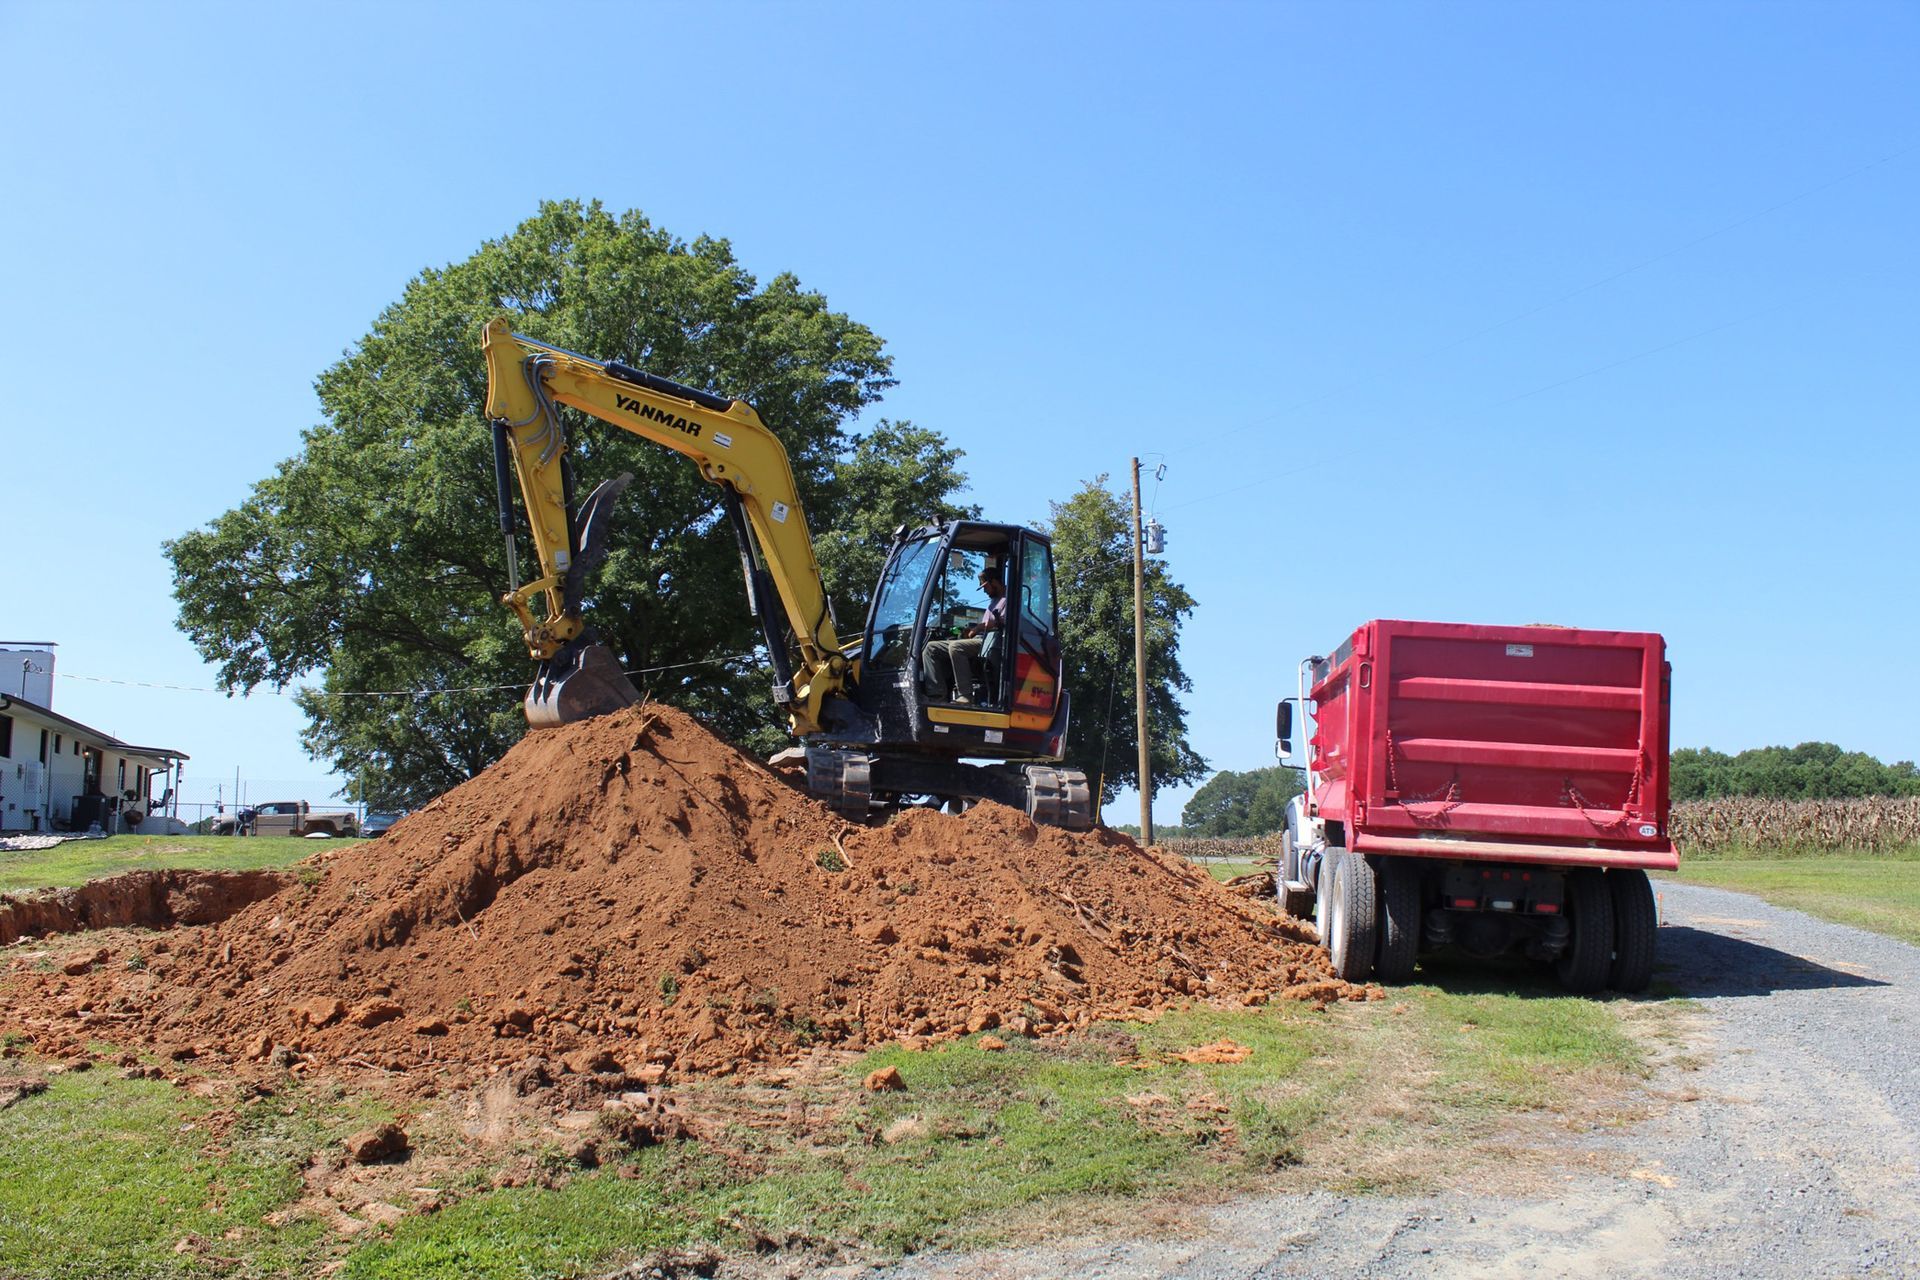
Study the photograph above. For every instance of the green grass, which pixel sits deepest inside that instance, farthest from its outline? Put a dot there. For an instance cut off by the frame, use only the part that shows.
(78, 861)
(1507, 1038)
(101, 1176)
(1881, 893)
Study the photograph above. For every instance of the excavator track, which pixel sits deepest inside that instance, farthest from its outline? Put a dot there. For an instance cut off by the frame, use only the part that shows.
(1059, 797)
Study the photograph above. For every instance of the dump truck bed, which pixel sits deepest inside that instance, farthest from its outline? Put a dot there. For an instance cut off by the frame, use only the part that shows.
(1520, 744)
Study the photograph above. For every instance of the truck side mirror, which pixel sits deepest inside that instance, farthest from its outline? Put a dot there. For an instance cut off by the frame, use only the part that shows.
(1283, 726)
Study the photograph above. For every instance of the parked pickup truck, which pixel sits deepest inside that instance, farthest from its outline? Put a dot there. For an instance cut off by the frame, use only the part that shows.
(297, 818)
(1485, 789)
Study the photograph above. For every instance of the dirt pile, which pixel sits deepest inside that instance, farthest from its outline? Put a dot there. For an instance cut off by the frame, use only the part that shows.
(633, 891)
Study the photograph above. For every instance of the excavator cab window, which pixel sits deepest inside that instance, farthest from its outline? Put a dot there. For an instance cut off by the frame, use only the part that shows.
(958, 600)
(897, 604)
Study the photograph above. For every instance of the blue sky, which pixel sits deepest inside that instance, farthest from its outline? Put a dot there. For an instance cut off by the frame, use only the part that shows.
(1595, 314)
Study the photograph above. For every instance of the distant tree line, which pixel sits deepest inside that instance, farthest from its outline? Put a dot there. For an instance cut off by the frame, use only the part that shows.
(1810, 771)
(1253, 803)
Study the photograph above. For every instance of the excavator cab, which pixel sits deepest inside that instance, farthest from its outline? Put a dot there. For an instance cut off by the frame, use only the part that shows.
(908, 739)
(934, 591)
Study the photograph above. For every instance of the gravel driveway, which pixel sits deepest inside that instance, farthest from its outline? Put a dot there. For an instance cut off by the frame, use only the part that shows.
(1794, 1150)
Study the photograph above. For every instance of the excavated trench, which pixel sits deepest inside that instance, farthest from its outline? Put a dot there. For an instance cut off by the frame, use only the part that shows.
(136, 899)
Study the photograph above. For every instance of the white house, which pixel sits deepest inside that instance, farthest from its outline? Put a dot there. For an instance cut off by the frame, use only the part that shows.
(58, 774)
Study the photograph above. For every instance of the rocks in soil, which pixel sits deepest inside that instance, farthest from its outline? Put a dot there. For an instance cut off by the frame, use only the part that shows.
(382, 1142)
(83, 962)
(371, 1013)
(885, 1080)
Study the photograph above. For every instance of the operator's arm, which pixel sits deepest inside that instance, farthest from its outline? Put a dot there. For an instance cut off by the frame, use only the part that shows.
(992, 620)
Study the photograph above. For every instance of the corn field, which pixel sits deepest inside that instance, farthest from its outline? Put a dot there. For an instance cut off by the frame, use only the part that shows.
(1225, 848)
(1871, 824)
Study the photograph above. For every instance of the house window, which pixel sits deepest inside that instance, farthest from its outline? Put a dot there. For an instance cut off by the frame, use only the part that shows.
(43, 746)
(121, 785)
(6, 735)
(57, 744)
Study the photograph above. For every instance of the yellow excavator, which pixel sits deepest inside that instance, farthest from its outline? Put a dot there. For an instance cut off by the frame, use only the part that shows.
(878, 730)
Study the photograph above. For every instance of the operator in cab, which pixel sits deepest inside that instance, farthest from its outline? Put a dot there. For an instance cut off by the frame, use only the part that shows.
(949, 663)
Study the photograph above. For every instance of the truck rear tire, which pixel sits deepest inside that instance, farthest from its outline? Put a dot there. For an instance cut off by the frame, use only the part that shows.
(1298, 904)
(1635, 922)
(1355, 923)
(1583, 967)
(1399, 918)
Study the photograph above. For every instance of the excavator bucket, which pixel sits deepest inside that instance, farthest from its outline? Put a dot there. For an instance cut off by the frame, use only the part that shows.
(578, 683)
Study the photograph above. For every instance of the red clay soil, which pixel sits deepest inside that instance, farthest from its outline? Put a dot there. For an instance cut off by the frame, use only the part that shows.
(632, 886)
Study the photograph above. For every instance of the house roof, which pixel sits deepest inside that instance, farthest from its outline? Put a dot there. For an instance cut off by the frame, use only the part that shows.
(8, 702)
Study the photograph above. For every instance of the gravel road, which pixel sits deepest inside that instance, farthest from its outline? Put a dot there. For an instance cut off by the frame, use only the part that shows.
(1792, 1150)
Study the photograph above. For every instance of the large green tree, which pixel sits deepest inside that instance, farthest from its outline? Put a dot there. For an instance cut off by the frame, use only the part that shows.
(371, 559)
(1253, 803)
(1093, 569)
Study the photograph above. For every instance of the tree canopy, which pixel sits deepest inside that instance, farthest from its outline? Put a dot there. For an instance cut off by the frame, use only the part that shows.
(1093, 568)
(1810, 771)
(372, 558)
(1253, 803)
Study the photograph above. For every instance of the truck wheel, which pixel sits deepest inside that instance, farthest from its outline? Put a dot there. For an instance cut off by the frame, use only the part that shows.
(1589, 955)
(1635, 922)
(1399, 918)
(1295, 903)
(1355, 918)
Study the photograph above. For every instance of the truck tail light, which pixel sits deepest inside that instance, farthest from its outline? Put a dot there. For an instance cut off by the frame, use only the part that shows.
(1466, 904)
(1547, 908)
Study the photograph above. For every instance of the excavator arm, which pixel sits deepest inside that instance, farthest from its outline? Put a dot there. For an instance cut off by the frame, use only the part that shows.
(526, 381)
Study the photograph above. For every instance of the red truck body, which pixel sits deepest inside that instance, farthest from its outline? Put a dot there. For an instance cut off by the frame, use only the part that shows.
(1487, 790)
(1515, 744)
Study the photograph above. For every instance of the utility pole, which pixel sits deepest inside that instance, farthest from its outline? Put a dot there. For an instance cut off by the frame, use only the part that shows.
(1140, 665)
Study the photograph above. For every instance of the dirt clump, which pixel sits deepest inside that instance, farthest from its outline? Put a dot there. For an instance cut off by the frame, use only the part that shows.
(632, 895)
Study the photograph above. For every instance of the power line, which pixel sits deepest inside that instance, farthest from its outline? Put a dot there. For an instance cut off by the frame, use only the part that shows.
(232, 692)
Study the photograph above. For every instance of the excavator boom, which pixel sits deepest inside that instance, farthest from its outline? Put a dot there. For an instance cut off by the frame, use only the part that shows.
(526, 382)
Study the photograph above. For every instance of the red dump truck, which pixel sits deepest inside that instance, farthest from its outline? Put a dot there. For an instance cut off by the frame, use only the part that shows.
(1490, 789)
